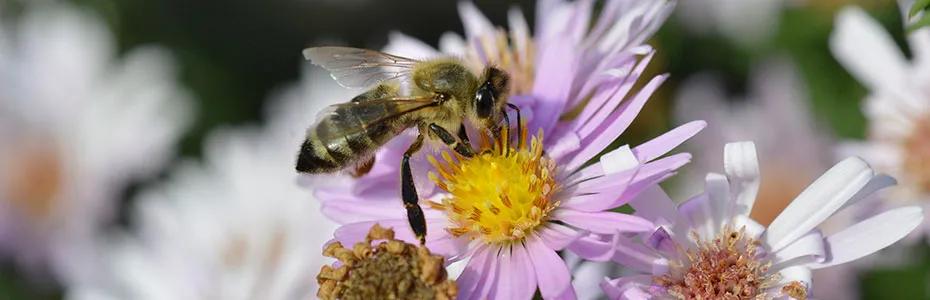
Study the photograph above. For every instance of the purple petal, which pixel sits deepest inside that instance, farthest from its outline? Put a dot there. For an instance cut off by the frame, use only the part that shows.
(634, 255)
(475, 273)
(607, 98)
(552, 88)
(871, 235)
(552, 274)
(620, 119)
(475, 23)
(655, 205)
(517, 276)
(603, 222)
(557, 236)
(628, 287)
(664, 143)
(578, 24)
(610, 191)
(594, 247)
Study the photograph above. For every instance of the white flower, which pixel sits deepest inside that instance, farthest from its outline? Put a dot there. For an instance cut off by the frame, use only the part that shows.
(774, 112)
(898, 104)
(235, 227)
(76, 125)
(710, 239)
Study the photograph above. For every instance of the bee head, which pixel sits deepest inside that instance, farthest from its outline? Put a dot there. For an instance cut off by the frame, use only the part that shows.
(490, 97)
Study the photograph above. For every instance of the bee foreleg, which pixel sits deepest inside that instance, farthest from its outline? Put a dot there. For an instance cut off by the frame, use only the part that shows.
(462, 148)
(463, 135)
(409, 193)
(519, 123)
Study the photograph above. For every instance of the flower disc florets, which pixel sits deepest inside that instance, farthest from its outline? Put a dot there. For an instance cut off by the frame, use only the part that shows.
(391, 270)
(731, 266)
(500, 195)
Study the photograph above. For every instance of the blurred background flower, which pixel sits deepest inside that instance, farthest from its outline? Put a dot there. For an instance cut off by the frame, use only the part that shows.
(89, 109)
(78, 122)
(236, 226)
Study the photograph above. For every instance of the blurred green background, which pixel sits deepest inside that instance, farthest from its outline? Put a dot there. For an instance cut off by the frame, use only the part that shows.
(233, 53)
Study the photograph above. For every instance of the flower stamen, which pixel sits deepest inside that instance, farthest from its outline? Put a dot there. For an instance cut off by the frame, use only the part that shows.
(500, 195)
(728, 267)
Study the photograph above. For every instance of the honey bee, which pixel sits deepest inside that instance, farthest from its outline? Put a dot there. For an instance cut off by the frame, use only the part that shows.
(440, 95)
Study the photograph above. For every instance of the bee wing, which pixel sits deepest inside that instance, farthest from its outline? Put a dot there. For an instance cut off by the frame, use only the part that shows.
(350, 118)
(359, 68)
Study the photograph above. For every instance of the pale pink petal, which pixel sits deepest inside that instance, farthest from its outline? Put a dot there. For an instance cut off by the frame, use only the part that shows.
(603, 222)
(878, 182)
(552, 274)
(480, 269)
(474, 21)
(654, 204)
(621, 119)
(607, 97)
(664, 143)
(524, 285)
(452, 44)
(593, 247)
(628, 287)
(610, 191)
(520, 31)
(742, 168)
(871, 235)
(808, 248)
(578, 24)
(552, 91)
(568, 294)
(818, 202)
(634, 255)
(407, 46)
(698, 212)
(557, 236)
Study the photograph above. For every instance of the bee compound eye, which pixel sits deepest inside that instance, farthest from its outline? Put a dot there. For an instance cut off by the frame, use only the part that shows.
(484, 102)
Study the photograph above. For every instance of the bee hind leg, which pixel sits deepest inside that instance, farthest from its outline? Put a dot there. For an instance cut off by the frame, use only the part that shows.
(462, 147)
(409, 193)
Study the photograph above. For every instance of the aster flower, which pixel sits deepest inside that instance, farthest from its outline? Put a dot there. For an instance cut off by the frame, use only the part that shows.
(709, 248)
(896, 107)
(773, 112)
(77, 124)
(508, 210)
(236, 226)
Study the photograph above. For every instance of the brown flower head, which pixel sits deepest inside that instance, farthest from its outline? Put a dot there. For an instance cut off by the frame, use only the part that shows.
(393, 269)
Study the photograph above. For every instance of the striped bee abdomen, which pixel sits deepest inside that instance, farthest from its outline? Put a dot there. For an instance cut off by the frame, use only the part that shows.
(345, 136)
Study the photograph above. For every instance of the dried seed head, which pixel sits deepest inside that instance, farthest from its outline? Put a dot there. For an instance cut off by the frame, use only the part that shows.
(391, 270)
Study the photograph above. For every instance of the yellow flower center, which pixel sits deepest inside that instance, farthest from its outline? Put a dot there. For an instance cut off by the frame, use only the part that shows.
(501, 195)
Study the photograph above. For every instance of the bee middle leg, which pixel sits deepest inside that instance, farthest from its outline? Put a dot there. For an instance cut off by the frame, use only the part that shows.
(462, 147)
(409, 193)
